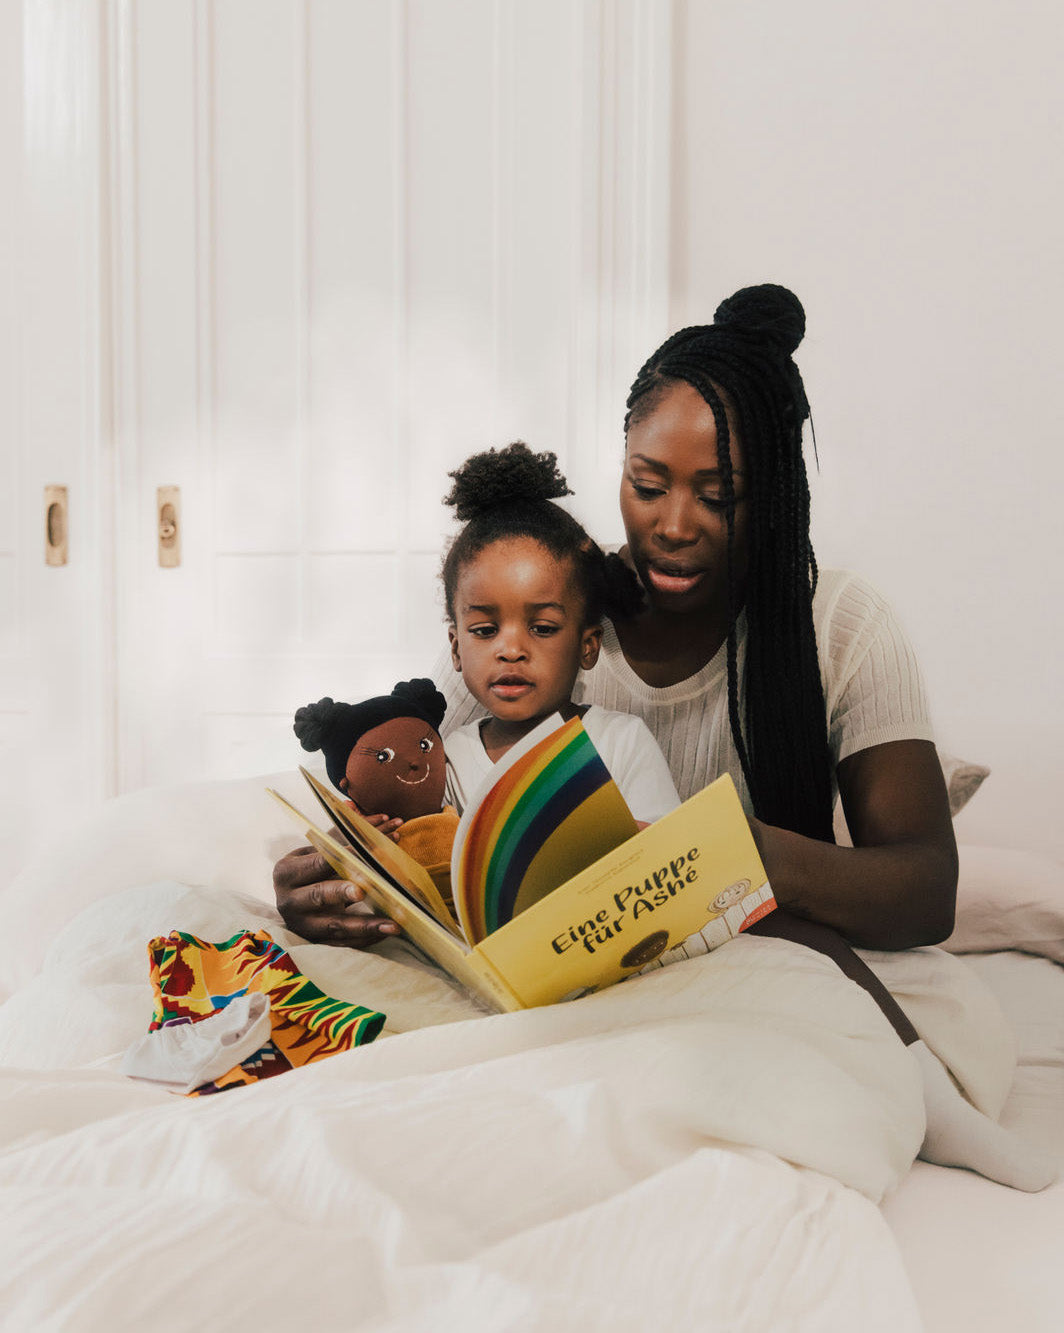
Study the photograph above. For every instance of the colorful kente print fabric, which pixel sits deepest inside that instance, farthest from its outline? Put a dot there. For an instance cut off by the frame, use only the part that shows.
(192, 979)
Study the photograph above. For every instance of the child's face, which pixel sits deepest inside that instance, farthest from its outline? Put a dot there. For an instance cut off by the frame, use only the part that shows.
(519, 637)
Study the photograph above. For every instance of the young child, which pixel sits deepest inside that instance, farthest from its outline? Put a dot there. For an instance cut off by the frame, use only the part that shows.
(525, 589)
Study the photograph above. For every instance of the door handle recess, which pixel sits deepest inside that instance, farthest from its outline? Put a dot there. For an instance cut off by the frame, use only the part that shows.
(168, 515)
(55, 525)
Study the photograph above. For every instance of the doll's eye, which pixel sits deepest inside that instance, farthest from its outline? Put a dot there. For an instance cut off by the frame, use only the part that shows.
(425, 745)
(385, 756)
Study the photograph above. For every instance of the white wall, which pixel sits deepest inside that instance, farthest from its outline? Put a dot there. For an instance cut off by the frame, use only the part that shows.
(898, 165)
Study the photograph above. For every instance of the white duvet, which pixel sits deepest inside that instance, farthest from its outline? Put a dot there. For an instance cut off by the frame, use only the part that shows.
(702, 1147)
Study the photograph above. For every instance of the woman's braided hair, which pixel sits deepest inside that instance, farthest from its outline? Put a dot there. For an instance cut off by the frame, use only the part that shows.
(506, 493)
(742, 366)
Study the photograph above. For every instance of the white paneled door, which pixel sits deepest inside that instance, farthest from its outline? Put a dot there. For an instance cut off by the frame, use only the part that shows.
(323, 250)
(56, 622)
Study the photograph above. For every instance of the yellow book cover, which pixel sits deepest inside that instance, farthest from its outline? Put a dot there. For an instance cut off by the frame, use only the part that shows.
(531, 939)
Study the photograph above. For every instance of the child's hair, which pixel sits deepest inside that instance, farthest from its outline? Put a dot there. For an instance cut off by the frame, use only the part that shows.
(505, 493)
(742, 366)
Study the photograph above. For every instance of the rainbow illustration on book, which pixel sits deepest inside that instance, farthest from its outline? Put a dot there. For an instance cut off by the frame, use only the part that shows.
(552, 812)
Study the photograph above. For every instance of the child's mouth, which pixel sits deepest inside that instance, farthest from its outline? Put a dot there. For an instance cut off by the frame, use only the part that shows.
(510, 687)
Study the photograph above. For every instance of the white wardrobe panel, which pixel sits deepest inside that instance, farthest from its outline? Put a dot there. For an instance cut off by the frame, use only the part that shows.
(353, 603)
(297, 258)
(256, 179)
(56, 695)
(353, 475)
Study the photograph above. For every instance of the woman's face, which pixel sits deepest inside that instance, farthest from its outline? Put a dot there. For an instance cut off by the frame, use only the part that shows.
(672, 503)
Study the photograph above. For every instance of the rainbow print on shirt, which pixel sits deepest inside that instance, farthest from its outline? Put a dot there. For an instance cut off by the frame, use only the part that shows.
(552, 812)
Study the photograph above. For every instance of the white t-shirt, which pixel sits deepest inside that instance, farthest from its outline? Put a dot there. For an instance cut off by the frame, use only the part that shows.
(871, 680)
(627, 748)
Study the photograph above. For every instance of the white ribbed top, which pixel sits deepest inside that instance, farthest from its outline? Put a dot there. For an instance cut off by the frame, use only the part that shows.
(871, 679)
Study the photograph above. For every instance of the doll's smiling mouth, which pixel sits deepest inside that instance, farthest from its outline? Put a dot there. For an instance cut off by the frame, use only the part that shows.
(414, 782)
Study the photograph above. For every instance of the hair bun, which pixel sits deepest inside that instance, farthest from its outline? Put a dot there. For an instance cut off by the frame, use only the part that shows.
(312, 723)
(422, 694)
(505, 476)
(768, 311)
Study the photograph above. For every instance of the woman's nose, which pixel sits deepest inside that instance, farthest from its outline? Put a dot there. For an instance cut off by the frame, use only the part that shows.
(677, 525)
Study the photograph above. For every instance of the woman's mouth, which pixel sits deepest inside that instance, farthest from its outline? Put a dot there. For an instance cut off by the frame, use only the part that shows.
(674, 579)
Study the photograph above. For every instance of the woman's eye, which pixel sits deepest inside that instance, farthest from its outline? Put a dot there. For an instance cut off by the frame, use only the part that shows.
(715, 502)
(385, 756)
(425, 745)
(647, 492)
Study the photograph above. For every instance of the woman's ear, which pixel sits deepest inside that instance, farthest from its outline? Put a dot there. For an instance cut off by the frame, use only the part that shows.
(590, 644)
(452, 639)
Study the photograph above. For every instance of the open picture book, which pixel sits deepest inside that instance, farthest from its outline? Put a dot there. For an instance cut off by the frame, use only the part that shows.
(556, 891)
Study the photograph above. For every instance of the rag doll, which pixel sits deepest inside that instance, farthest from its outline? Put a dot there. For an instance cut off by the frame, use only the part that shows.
(386, 756)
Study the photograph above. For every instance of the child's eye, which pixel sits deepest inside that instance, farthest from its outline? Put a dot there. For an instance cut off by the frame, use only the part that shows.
(385, 756)
(481, 631)
(425, 745)
(545, 629)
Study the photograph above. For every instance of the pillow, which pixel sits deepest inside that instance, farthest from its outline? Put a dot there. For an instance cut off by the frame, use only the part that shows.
(963, 780)
(224, 834)
(1008, 899)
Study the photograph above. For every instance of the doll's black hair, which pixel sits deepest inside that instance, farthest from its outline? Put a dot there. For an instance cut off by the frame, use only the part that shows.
(510, 492)
(333, 727)
(742, 365)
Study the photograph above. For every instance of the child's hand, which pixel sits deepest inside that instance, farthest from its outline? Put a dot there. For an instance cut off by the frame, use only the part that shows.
(382, 823)
(385, 824)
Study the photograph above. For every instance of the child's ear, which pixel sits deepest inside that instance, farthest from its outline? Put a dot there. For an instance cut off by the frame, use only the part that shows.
(452, 639)
(590, 644)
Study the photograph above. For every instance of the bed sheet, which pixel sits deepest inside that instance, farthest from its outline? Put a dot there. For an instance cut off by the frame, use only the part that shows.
(617, 1162)
(113, 1194)
(981, 1257)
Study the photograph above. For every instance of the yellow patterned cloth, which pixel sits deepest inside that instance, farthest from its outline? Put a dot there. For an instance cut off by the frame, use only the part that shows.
(192, 979)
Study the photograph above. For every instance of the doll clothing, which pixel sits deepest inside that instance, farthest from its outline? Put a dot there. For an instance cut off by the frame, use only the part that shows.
(184, 1055)
(429, 839)
(196, 982)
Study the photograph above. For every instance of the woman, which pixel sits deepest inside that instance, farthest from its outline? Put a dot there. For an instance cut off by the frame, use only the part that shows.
(743, 660)
(723, 661)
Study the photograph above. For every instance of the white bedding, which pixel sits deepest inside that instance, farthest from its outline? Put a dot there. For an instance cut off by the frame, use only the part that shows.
(982, 1258)
(704, 1145)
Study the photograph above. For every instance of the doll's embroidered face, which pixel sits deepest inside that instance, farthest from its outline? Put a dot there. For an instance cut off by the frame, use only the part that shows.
(397, 769)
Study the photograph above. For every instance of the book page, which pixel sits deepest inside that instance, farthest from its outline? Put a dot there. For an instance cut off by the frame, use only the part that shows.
(383, 855)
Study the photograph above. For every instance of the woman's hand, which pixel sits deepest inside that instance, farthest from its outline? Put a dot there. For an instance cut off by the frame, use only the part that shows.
(896, 887)
(323, 909)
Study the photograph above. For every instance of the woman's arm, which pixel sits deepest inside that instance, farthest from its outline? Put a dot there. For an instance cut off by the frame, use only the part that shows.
(896, 887)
